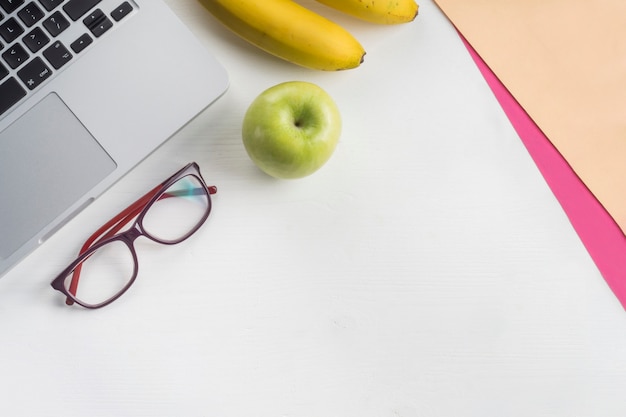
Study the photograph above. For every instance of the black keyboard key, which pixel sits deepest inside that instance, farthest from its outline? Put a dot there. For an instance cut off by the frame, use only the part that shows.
(10, 30)
(56, 23)
(15, 56)
(36, 39)
(3, 71)
(121, 11)
(10, 93)
(76, 8)
(11, 5)
(81, 43)
(50, 4)
(34, 73)
(57, 55)
(30, 14)
(98, 23)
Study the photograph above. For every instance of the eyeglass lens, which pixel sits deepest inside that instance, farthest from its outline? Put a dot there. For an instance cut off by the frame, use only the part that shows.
(105, 273)
(178, 212)
(174, 215)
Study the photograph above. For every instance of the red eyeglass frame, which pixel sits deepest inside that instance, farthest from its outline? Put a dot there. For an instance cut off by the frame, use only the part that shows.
(109, 232)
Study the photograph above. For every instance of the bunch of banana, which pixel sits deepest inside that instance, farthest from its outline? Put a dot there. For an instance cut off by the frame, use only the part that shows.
(387, 12)
(298, 35)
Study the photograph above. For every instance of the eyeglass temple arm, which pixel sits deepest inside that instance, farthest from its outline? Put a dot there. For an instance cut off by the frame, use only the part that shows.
(118, 222)
(123, 218)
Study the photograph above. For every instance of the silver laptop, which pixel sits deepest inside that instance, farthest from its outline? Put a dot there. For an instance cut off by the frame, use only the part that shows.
(88, 88)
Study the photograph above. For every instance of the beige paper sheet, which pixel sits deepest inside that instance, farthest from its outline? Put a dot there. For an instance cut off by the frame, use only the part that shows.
(565, 63)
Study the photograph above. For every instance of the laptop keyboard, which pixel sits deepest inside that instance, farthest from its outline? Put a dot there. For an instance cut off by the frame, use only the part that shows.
(40, 37)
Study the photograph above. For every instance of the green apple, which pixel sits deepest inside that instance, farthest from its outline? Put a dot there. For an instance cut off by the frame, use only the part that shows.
(291, 129)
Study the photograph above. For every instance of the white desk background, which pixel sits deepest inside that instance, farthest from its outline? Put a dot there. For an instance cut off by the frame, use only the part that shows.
(426, 270)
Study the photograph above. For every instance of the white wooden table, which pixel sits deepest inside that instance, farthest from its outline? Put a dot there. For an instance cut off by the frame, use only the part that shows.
(426, 270)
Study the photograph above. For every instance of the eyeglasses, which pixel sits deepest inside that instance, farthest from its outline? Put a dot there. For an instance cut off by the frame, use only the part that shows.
(107, 263)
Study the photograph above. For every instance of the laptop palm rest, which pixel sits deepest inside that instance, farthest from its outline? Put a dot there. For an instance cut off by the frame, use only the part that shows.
(46, 140)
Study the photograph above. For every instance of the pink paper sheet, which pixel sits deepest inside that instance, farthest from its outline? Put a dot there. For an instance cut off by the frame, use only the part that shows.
(601, 236)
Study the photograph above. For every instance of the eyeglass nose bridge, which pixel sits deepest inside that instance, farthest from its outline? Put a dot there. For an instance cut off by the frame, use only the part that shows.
(136, 230)
(129, 236)
(132, 234)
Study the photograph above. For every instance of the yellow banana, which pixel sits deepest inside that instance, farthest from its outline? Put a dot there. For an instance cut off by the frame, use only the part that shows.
(290, 31)
(386, 12)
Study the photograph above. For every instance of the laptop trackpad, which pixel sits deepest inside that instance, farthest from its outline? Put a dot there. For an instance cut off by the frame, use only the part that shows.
(51, 161)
